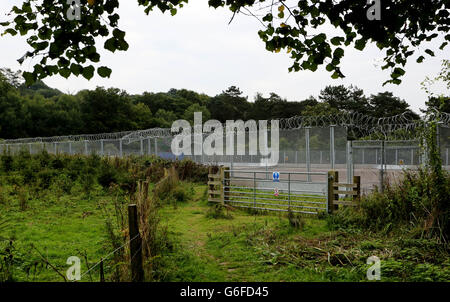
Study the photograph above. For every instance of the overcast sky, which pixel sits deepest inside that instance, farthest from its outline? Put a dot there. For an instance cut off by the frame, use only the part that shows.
(198, 50)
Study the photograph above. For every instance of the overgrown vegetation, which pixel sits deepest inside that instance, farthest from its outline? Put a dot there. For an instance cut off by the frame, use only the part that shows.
(48, 213)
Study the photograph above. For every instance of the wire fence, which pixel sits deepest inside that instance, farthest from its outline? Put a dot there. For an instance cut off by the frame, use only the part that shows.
(350, 143)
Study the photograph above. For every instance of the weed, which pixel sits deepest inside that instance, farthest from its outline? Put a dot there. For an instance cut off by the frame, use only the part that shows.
(217, 211)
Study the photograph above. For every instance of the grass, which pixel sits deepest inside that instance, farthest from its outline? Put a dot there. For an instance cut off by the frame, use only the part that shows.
(54, 222)
(70, 226)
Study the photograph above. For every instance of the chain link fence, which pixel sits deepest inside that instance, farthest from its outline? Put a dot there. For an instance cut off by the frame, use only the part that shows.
(378, 150)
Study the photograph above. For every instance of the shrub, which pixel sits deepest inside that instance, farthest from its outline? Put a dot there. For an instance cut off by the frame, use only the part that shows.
(45, 177)
(410, 203)
(107, 175)
(6, 162)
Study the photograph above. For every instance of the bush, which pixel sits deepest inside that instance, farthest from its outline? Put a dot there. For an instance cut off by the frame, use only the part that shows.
(45, 177)
(410, 203)
(6, 162)
(107, 175)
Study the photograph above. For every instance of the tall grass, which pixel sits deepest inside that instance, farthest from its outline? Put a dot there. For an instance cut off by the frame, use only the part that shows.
(409, 204)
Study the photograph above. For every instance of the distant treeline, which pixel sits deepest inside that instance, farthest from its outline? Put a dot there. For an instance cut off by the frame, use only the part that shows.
(43, 111)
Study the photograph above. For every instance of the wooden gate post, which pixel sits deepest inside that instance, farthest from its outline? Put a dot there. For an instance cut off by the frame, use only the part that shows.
(226, 184)
(102, 274)
(137, 272)
(330, 182)
(357, 182)
(335, 196)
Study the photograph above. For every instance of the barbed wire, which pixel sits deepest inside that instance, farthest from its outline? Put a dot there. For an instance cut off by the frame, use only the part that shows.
(358, 125)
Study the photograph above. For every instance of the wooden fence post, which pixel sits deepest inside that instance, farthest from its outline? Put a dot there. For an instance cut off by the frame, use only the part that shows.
(222, 176)
(226, 184)
(137, 272)
(335, 196)
(102, 274)
(357, 182)
(330, 191)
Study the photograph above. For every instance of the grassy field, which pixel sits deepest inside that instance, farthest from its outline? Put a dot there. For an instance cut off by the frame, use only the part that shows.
(46, 225)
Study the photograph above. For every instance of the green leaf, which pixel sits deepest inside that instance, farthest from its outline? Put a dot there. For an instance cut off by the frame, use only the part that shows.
(10, 31)
(76, 69)
(399, 71)
(329, 67)
(65, 72)
(110, 44)
(360, 44)
(335, 75)
(30, 78)
(117, 33)
(88, 72)
(420, 59)
(104, 72)
(337, 41)
(338, 53)
(430, 52)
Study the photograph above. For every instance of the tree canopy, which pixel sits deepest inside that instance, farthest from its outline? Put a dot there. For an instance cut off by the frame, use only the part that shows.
(66, 37)
(34, 112)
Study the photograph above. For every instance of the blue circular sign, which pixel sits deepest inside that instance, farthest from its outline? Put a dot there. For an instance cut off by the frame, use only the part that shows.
(276, 176)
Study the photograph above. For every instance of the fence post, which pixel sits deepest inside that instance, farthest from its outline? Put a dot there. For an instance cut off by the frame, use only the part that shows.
(349, 161)
(85, 148)
(289, 191)
(156, 147)
(102, 149)
(332, 151)
(335, 182)
(254, 189)
(142, 146)
(222, 181)
(226, 184)
(120, 148)
(70, 148)
(382, 167)
(102, 274)
(357, 181)
(446, 157)
(376, 156)
(308, 154)
(330, 195)
(137, 272)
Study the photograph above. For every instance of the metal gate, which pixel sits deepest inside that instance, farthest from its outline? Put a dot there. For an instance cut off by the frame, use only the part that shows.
(300, 192)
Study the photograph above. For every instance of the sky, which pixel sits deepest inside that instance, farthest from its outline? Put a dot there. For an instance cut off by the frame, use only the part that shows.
(199, 50)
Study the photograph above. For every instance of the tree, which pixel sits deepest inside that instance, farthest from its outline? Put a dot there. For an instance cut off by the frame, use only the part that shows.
(66, 38)
(11, 114)
(350, 99)
(164, 119)
(106, 110)
(320, 109)
(438, 102)
(229, 105)
(386, 104)
(14, 78)
(189, 113)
